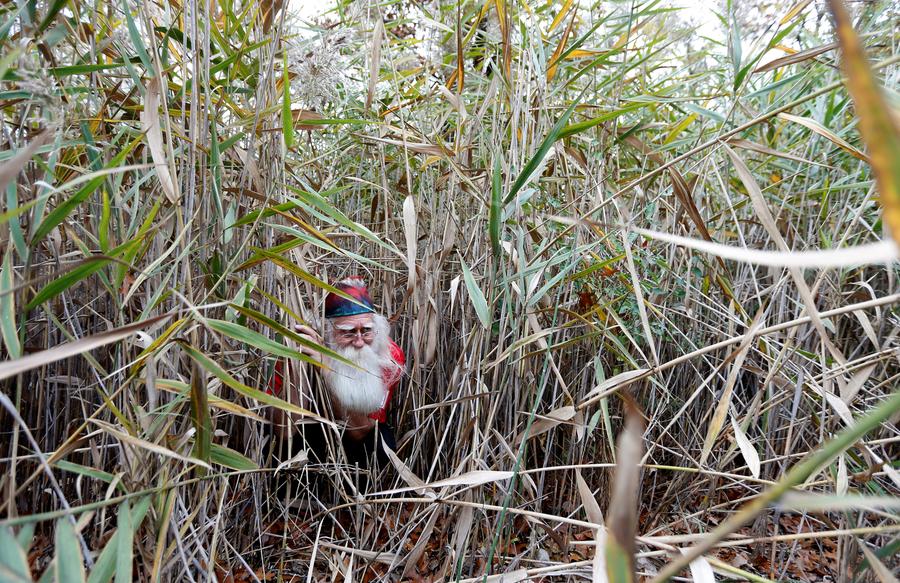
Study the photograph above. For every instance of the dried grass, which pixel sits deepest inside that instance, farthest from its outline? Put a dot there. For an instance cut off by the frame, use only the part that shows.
(536, 194)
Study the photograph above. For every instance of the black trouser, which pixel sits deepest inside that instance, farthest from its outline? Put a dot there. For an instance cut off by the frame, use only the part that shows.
(359, 451)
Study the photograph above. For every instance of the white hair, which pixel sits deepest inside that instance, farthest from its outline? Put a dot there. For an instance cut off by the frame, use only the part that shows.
(352, 281)
(361, 388)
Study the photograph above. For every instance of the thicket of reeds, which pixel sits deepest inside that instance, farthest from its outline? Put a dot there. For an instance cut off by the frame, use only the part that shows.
(645, 279)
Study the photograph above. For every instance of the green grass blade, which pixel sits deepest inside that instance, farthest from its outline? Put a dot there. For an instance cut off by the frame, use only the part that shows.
(581, 126)
(243, 389)
(231, 459)
(15, 227)
(284, 331)
(13, 559)
(287, 118)
(86, 69)
(318, 202)
(61, 284)
(476, 296)
(8, 326)
(215, 163)
(6, 26)
(200, 416)
(553, 135)
(106, 565)
(284, 207)
(69, 562)
(105, 214)
(81, 470)
(62, 211)
(247, 336)
(304, 275)
(496, 209)
(136, 38)
(125, 531)
(51, 14)
(90, 266)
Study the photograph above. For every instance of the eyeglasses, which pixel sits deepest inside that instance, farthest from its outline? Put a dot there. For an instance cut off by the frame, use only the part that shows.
(367, 332)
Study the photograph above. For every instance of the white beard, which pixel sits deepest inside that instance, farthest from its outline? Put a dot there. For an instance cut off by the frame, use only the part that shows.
(357, 390)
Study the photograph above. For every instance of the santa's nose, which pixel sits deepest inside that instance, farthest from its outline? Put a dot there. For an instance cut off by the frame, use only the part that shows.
(358, 341)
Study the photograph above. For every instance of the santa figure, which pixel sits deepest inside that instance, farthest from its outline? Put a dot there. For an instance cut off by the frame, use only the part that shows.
(360, 393)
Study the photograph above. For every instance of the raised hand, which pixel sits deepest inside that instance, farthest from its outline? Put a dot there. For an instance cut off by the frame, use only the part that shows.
(311, 335)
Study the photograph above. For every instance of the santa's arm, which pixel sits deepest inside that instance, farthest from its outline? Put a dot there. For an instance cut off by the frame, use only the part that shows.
(286, 385)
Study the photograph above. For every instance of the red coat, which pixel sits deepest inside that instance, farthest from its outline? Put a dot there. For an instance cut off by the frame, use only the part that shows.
(390, 378)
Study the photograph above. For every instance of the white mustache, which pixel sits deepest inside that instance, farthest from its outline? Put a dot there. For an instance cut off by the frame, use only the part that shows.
(360, 388)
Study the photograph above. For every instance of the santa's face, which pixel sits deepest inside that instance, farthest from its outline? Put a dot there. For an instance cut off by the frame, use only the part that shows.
(363, 340)
(357, 331)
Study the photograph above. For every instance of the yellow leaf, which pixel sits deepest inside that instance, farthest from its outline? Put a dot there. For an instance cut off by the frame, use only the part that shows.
(880, 130)
(630, 34)
(501, 12)
(554, 60)
(524, 4)
(582, 53)
(786, 49)
(682, 125)
(797, 9)
(560, 16)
